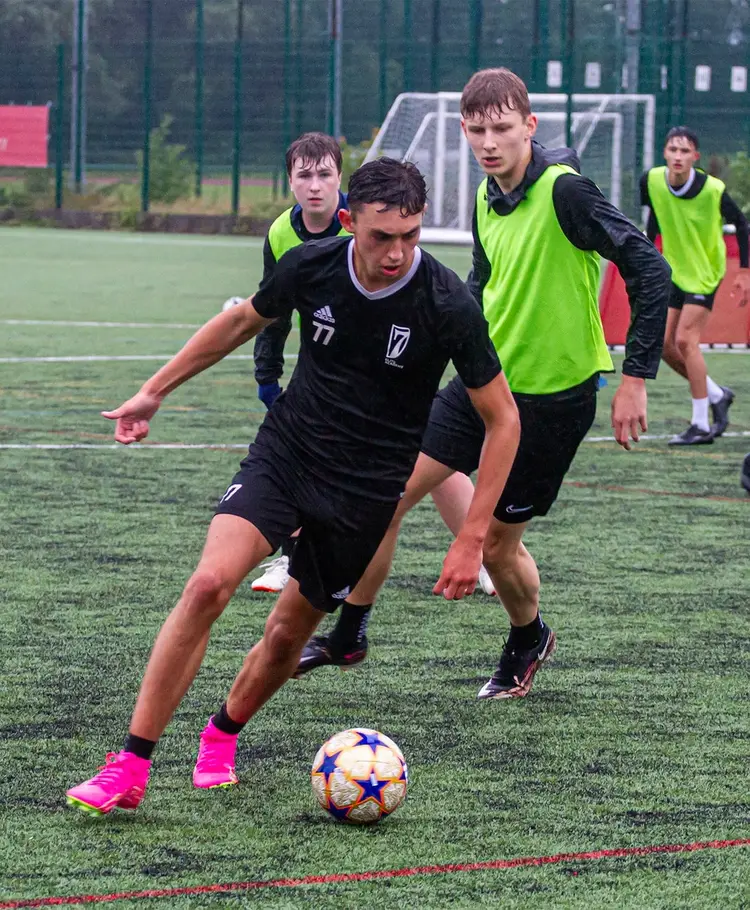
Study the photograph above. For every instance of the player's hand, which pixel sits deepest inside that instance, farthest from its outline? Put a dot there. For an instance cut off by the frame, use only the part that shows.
(133, 416)
(460, 569)
(268, 392)
(741, 286)
(629, 410)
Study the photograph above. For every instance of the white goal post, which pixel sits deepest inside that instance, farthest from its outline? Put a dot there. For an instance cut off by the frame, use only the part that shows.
(613, 135)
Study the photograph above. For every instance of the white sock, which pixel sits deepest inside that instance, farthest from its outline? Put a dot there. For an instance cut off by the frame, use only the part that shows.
(715, 391)
(700, 414)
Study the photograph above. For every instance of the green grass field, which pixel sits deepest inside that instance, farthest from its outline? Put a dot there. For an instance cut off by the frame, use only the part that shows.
(638, 735)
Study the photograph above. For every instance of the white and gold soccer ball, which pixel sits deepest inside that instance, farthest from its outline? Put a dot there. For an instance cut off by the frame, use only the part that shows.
(233, 301)
(359, 776)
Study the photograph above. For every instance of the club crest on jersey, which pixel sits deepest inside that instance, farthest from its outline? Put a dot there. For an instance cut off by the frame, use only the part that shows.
(397, 343)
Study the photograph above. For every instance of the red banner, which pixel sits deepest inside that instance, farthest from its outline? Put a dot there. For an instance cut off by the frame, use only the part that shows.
(730, 318)
(23, 136)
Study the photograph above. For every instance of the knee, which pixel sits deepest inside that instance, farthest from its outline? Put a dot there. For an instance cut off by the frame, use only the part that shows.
(207, 592)
(282, 639)
(500, 556)
(670, 351)
(685, 345)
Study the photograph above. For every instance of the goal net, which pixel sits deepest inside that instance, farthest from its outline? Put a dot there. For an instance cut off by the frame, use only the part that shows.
(613, 135)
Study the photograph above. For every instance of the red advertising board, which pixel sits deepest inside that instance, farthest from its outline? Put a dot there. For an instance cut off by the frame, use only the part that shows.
(23, 135)
(730, 317)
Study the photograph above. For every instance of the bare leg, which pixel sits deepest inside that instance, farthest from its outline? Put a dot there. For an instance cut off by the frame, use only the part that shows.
(273, 660)
(671, 353)
(453, 498)
(427, 475)
(233, 548)
(513, 570)
(689, 330)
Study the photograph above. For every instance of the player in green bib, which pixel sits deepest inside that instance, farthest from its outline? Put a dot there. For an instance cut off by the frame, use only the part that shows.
(539, 229)
(313, 164)
(688, 208)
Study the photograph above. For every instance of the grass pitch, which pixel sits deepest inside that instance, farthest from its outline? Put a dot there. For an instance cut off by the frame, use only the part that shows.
(638, 735)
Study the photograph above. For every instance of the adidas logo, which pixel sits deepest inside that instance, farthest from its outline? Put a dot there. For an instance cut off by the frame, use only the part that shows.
(344, 592)
(324, 314)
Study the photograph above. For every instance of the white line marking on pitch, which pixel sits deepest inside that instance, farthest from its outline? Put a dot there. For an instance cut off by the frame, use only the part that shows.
(240, 445)
(115, 237)
(103, 325)
(108, 325)
(734, 435)
(705, 348)
(106, 358)
(117, 445)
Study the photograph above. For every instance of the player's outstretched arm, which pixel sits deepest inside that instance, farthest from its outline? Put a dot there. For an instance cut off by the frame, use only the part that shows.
(497, 409)
(217, 338)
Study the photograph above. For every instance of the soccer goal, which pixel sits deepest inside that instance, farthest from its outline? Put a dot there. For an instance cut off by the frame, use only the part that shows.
(613, 135)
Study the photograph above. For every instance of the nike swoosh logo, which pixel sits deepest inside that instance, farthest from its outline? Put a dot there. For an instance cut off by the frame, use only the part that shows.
(516, 509)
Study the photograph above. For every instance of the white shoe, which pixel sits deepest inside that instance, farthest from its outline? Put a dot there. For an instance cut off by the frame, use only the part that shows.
(485, 582)
(275, 578)
(233, 301)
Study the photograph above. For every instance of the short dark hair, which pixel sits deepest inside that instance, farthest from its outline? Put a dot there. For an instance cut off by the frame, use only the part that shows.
(493, 91)
(395, 184)
(311, 149)
(683, 132)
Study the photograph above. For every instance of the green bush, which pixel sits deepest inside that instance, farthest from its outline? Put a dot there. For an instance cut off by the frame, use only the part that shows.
(170, 172)
(353, 156)
(738, 180)
(17, 196)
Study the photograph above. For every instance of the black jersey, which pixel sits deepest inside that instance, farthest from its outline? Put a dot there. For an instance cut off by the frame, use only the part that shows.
(369, 365)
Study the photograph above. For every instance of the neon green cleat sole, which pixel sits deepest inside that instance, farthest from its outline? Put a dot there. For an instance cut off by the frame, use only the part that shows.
(85, 807)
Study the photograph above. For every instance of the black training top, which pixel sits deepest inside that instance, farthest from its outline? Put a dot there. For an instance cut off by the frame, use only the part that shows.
(369, 365)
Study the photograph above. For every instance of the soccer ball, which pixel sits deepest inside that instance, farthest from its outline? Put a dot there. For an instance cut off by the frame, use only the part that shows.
(359, 776)
(233, 301)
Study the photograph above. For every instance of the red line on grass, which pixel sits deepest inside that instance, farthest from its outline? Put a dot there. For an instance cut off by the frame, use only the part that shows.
(346, 877)
(613, 488)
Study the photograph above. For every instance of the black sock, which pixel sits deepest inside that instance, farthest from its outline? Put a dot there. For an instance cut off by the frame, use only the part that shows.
(223, 722)
(351, 628)
(287, 547)
(524, 638)
(139, 746)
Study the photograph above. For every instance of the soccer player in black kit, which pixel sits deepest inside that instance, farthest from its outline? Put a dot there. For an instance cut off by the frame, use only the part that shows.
(380, 319)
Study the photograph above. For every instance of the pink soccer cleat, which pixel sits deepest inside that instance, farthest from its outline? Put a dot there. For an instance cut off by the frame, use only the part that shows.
(215, 764)
(120, 784)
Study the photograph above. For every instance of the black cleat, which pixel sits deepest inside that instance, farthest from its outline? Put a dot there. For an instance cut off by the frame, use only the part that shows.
(318, 653)
(745, 475)
(693, 436)
(516, 670)
(720, 412)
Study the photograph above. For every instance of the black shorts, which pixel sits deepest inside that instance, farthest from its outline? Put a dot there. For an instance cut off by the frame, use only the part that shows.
(678, 298)
(552, 428)
(339, 534)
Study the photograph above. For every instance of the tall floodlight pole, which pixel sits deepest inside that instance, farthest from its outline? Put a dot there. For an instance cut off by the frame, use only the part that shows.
(199, 78)
(286, 101)
(383, 61)
(435, 48)
(336, 21)
(408, 46)
(237, 150)
(148, 73)
(78, 94)
(684, 41)
(633, 21)
(567, 25)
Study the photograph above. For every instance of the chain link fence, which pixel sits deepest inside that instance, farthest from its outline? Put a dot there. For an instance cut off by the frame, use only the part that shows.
(239, 79)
